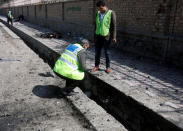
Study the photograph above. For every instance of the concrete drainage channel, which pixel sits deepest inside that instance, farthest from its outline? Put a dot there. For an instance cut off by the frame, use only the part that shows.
(132, 114)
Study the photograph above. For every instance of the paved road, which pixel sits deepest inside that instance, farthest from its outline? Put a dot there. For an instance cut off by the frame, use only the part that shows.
(28, 88)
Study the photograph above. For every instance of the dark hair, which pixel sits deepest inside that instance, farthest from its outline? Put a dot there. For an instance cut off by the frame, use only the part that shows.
(100, 3)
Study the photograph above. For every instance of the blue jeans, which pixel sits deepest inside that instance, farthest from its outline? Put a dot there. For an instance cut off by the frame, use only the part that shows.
(100, 43)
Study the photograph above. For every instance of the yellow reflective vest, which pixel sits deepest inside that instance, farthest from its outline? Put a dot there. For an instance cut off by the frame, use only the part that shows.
(68, 65)
(10, 15)
(102, 27)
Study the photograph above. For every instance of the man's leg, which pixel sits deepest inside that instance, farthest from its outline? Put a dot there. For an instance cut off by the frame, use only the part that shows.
(70, 85)
(98, 48)
(11, 21)
(8, 20)
(107, 44)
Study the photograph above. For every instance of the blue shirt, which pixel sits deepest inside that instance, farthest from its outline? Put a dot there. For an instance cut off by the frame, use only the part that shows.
(102, 17)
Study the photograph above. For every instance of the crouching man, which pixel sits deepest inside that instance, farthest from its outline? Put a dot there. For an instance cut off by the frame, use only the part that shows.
(72, 66)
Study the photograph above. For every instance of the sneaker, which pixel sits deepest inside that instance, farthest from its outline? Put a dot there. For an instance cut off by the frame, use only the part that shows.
(108, 70)
(95, 69)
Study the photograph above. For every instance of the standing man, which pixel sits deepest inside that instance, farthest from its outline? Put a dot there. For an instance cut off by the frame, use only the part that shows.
(71, 66)
(10, 17)
(105, 32)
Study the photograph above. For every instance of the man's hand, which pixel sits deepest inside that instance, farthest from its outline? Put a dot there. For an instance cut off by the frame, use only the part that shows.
(114, 41)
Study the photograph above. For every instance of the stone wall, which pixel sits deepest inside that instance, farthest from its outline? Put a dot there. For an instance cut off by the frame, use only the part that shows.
(150, 28)
(55, 15)
(32, 14)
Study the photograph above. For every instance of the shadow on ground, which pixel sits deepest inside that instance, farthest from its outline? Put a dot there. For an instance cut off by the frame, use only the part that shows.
(47, 91)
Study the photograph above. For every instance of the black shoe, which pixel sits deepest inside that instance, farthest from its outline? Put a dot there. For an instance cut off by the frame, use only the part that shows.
(67, 92)
(71, 93)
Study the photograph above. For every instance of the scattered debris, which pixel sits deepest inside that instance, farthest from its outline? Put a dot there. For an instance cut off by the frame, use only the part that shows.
(49, 35)
(161, 104)
(44, 114)
(19, 18)
(5, 115)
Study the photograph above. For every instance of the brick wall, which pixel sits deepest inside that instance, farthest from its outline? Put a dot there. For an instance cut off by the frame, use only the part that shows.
(25, 12)
(40, 14)
(32, 14)
(78, 17)
(79, 12)
(16, 13)
(54, 12)
(151, 28)
(54, 15)
(177, 18)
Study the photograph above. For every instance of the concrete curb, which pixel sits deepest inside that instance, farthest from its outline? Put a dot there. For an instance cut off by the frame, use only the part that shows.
(134, 115)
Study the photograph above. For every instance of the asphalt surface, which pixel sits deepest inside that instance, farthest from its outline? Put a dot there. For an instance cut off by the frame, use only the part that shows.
(29, 97)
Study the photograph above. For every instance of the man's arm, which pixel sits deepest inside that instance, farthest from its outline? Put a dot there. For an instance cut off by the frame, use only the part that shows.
(82, 59)
(113, 26)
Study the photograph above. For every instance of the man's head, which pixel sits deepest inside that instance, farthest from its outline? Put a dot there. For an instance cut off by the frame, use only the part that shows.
(101, 6)
(85, 43)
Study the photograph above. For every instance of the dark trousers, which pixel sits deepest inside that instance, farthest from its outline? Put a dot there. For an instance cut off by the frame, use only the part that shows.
(100, 43)
(70, 84)
(9, 20)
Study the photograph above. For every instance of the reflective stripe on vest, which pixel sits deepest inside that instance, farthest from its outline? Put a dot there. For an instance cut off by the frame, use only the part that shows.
(77, 50)
(72, 51)
(71, 55)
(69, 63)
(102, 28)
